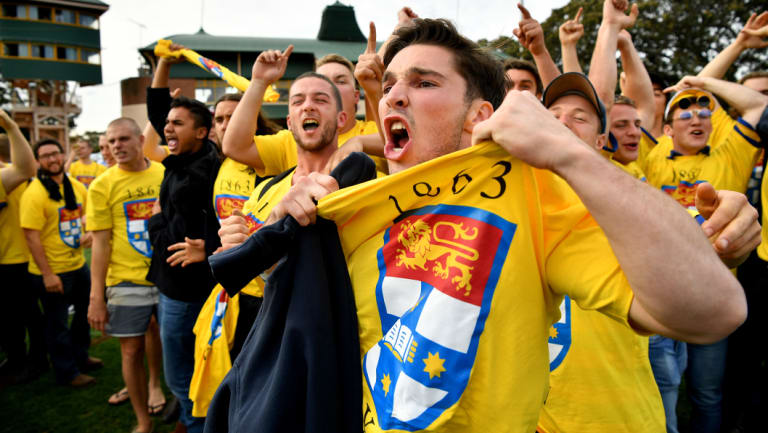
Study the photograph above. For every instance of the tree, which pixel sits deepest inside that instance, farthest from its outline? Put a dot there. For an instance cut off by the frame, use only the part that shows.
(675, 38)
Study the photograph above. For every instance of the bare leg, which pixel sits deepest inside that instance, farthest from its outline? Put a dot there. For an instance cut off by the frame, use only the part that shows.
(132, 350)
(155, 362)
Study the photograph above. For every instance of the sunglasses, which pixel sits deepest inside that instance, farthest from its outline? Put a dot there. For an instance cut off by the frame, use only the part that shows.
(701, 101)
(688, 115)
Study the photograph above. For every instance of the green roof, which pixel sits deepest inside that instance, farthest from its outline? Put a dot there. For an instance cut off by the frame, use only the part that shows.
(202, 41)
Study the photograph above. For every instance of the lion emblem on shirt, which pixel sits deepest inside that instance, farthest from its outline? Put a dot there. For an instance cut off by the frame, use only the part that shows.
(438, 246)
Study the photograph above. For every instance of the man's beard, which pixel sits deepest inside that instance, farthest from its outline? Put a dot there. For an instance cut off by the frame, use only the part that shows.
(52, 173)
(329, 132)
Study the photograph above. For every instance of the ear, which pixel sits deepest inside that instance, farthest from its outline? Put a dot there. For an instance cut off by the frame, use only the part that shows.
(341, 119)
(141, 140)
(601, 140)
(357, 97)
(201, 133)
(479, 110)
(288, 121)
(668, 129)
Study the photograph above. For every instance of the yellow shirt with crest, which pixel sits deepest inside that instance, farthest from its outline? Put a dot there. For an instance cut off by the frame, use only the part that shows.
(122, 201)
(458, 267)
(60, 229)
(728, 164)
(86, 173)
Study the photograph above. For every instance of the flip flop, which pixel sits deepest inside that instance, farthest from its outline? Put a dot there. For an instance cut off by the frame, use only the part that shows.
(156, 409)
(119, 397)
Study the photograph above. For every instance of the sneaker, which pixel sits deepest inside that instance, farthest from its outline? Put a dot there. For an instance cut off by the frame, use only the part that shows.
(172, 410)
(82, 380)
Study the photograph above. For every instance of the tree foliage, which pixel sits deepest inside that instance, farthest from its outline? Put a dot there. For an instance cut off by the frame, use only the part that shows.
(675, 38)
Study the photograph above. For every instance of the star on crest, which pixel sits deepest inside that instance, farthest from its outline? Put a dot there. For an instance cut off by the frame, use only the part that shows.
(433, 364)
(553, 332)
(385, 382)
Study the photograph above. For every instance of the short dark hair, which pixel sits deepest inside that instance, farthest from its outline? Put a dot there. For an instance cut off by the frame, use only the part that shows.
(228, 97)
(623, 100)
(200, 113)
(482, 73)
(336, 93)
(45, 142)
(525, 65)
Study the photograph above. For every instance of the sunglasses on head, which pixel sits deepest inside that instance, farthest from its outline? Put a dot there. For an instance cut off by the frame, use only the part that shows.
(688, 114)
(701, 101)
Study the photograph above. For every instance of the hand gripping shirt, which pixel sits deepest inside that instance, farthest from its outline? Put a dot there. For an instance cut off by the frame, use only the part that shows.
(459, 266)
(13, 246)
(278, 151)
(60, 229)
(726, 163)
(86, 173)
(122, 201)
(217, 322)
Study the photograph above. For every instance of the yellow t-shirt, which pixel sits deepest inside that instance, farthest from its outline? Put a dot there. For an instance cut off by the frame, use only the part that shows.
(727, 166)
(278, 151)
(233, 186)
(60, 229)
(86, 173)
(633, 169)
(459, 266)
(13, 246)
(121, 201)
(600, 379)
(762, 249)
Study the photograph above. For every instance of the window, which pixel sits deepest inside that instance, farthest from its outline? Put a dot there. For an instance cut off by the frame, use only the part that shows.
(44, 51)
(39, 13)
(91, 56)
(86, 20)
(65, 16)
(66, 53)
(14, 11)
(15, 49)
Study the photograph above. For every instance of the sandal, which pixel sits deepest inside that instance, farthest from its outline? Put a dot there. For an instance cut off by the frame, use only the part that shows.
(119, 397)
(156, 409)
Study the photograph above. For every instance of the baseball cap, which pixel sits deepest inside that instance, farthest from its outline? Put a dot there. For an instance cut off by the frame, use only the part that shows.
(575, 83)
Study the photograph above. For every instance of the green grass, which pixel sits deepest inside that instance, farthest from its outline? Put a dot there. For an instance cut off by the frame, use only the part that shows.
(45, 406)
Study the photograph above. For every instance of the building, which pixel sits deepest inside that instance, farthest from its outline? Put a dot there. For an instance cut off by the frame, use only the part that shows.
(339, 33)
(43, 46)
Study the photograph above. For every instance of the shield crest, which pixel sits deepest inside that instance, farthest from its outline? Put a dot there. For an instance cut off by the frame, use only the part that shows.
(560, 336)
(70, 226)
(212, 66)
(684, 192)
(137, 213)
(226, 204)
(438, 269)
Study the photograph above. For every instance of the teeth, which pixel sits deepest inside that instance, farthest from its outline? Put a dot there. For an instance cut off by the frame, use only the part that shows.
(310, 122)
(396, 126)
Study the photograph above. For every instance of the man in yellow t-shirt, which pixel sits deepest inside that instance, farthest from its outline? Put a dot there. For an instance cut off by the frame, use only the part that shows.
(452, 339)
(273, 154)
(84, 169)
(52, 216)
(21, 311)
(123, 302)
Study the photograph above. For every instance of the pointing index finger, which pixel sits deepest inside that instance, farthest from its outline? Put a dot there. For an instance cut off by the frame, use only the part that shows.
(371, 39)
(577, 18)
(524, 11)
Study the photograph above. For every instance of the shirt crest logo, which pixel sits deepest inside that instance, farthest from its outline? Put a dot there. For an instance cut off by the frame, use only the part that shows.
(438, 269)
(70, 226)
(226, 204)
(137, 215)
(684, 193)
(560, 336)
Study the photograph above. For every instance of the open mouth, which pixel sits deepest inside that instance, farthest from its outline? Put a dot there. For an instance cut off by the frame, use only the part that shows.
(697, 132)
(399, 134)
(310, 124)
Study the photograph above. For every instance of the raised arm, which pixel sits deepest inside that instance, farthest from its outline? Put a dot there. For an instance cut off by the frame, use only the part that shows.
(749, 37)
(23, 164)
(531, 37)
(238, 139)
(569, 33)
(637, 84)
(652, 237)
(602, 69)
(750, 103)
(159, 101)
